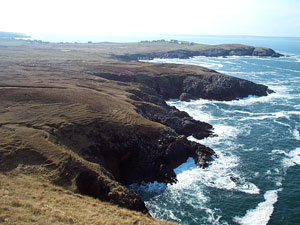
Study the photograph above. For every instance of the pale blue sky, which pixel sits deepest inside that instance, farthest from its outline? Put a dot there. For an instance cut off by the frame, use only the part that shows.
(116, 17)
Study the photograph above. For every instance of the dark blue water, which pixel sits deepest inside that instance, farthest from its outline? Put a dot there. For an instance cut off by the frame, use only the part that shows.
(256, 179)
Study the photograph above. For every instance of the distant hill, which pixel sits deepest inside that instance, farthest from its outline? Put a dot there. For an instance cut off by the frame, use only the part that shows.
(12, 35)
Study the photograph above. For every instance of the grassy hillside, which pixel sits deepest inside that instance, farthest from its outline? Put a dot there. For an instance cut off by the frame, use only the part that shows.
(31, 199)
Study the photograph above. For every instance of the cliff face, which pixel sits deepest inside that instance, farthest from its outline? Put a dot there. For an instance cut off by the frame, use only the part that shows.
(209, 51)
(91, 134)
(187, 82)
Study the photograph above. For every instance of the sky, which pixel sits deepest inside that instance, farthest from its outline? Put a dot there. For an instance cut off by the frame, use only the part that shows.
(130, 17)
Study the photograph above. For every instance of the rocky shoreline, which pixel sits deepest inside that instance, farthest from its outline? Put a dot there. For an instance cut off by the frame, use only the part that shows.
(208, 51)
(93, 127)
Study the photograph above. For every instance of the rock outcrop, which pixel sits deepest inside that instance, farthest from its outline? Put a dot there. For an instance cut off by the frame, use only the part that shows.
(186, 83)
(209, 51)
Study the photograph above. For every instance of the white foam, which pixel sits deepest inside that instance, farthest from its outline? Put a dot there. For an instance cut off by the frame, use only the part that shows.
(188, 185)
(226, 132)
(150, 189)
(262, 213)
(196, 109)
(281, 123)
(250, 100)
(188, 165)
(249, 97)
(221, 173)
(276, 151)
(279, 181)
(205, 62)
(293, 158)
(297, 113)
(296, 134)
(212, 218)
(274, 115)
(289, 70)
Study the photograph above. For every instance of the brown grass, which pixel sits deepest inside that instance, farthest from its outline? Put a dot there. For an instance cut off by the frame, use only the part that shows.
(18, 49)
(33, 200)
(44, 90)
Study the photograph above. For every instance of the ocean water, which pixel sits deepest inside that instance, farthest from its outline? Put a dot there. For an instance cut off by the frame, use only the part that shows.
(256, 178)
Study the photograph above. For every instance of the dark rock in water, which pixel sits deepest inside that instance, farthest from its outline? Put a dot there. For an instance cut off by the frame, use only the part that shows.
(179, 121)
(265, 52)
(221, 87)
(236, 180)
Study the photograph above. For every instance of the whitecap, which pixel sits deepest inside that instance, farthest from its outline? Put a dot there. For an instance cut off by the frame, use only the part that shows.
(292, 159)
(297, 113)
(262, 213)
(276, 170)
(250, 100)
(274, 115)
(210, 65)
(296, 134)
(281, 123)
(195, 108)
(278, 182)
(268, 172)
(277, 151)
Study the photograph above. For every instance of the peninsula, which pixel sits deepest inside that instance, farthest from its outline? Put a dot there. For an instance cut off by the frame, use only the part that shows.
(83, 121)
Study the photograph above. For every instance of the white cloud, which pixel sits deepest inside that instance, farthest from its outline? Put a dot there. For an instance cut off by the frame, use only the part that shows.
(91, 17)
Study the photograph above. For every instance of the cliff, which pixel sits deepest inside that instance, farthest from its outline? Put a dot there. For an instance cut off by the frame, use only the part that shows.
(93, 126)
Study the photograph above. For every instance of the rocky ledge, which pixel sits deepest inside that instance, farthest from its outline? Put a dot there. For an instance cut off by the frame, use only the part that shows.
(206, 50)
(184, 82)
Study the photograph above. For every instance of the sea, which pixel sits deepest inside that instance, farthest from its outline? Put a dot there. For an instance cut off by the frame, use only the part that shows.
(255, 180)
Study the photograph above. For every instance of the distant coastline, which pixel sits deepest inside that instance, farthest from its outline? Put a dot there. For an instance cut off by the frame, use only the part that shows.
(204, 39)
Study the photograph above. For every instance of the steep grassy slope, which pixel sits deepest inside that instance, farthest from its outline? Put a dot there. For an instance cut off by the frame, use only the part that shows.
(31, 199)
